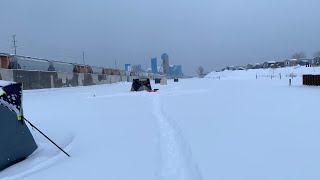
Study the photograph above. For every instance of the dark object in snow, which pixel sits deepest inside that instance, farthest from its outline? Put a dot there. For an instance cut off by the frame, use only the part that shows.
(16, 141)
(157, 80)
(155, 90)
(176, 80)
(141, 85)
(311, 80)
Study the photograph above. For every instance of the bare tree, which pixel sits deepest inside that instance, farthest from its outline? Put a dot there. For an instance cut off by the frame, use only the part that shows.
(200, 72)
(317, 54)
(299, 55)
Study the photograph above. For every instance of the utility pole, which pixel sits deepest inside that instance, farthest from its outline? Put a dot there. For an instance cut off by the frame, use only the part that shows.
(115, 63)
(84, 63)
(14, 44)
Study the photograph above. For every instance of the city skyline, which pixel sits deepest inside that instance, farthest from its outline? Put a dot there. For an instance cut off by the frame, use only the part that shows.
(212, 34)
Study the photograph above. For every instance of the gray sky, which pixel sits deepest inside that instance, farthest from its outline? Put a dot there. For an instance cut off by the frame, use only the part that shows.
(211, 33)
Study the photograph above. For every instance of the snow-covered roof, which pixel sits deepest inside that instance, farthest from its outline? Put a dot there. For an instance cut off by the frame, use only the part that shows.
(5, 83)
(242, 68)
(271, 62)
(291, 60)
(4, 54)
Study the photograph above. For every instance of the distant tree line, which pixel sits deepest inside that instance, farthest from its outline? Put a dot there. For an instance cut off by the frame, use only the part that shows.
(302, 55)
(299, 55)
(317, 54)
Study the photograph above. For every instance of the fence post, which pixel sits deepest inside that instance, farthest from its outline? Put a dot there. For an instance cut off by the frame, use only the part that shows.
(52, 82)
(289, 82)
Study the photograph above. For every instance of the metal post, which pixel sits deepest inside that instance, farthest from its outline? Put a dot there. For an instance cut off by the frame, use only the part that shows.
(84, 63)
(46, 136)
(14, 44)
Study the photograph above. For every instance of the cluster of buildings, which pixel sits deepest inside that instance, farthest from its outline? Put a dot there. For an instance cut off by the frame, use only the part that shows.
(278, 64)
(164, 69)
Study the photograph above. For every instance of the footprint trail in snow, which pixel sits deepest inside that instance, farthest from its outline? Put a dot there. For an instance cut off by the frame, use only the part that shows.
(176, 156)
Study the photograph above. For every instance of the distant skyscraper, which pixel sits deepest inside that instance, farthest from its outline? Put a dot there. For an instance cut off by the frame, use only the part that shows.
(127, 67)
(154, 65)
(136, 68)
(165, 63)
(176, 70)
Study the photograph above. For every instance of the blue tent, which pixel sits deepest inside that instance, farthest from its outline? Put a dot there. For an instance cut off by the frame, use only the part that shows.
(16, 141)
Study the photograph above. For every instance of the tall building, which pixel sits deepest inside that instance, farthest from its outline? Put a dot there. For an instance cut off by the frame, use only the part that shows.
(176, 71)
(127, 67)
(136, 68)
(154, 65)
(165, 64)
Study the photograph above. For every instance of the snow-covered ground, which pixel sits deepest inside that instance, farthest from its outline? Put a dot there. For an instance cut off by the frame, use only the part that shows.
(196, 129)
(296, 71)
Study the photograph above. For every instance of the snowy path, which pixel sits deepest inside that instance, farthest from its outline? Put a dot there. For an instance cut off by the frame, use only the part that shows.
(176, 157)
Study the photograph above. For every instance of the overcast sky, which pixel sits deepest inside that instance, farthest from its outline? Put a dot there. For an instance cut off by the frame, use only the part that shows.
(211, 33)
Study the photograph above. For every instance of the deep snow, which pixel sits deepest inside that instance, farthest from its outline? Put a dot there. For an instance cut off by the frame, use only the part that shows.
(191, 130)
